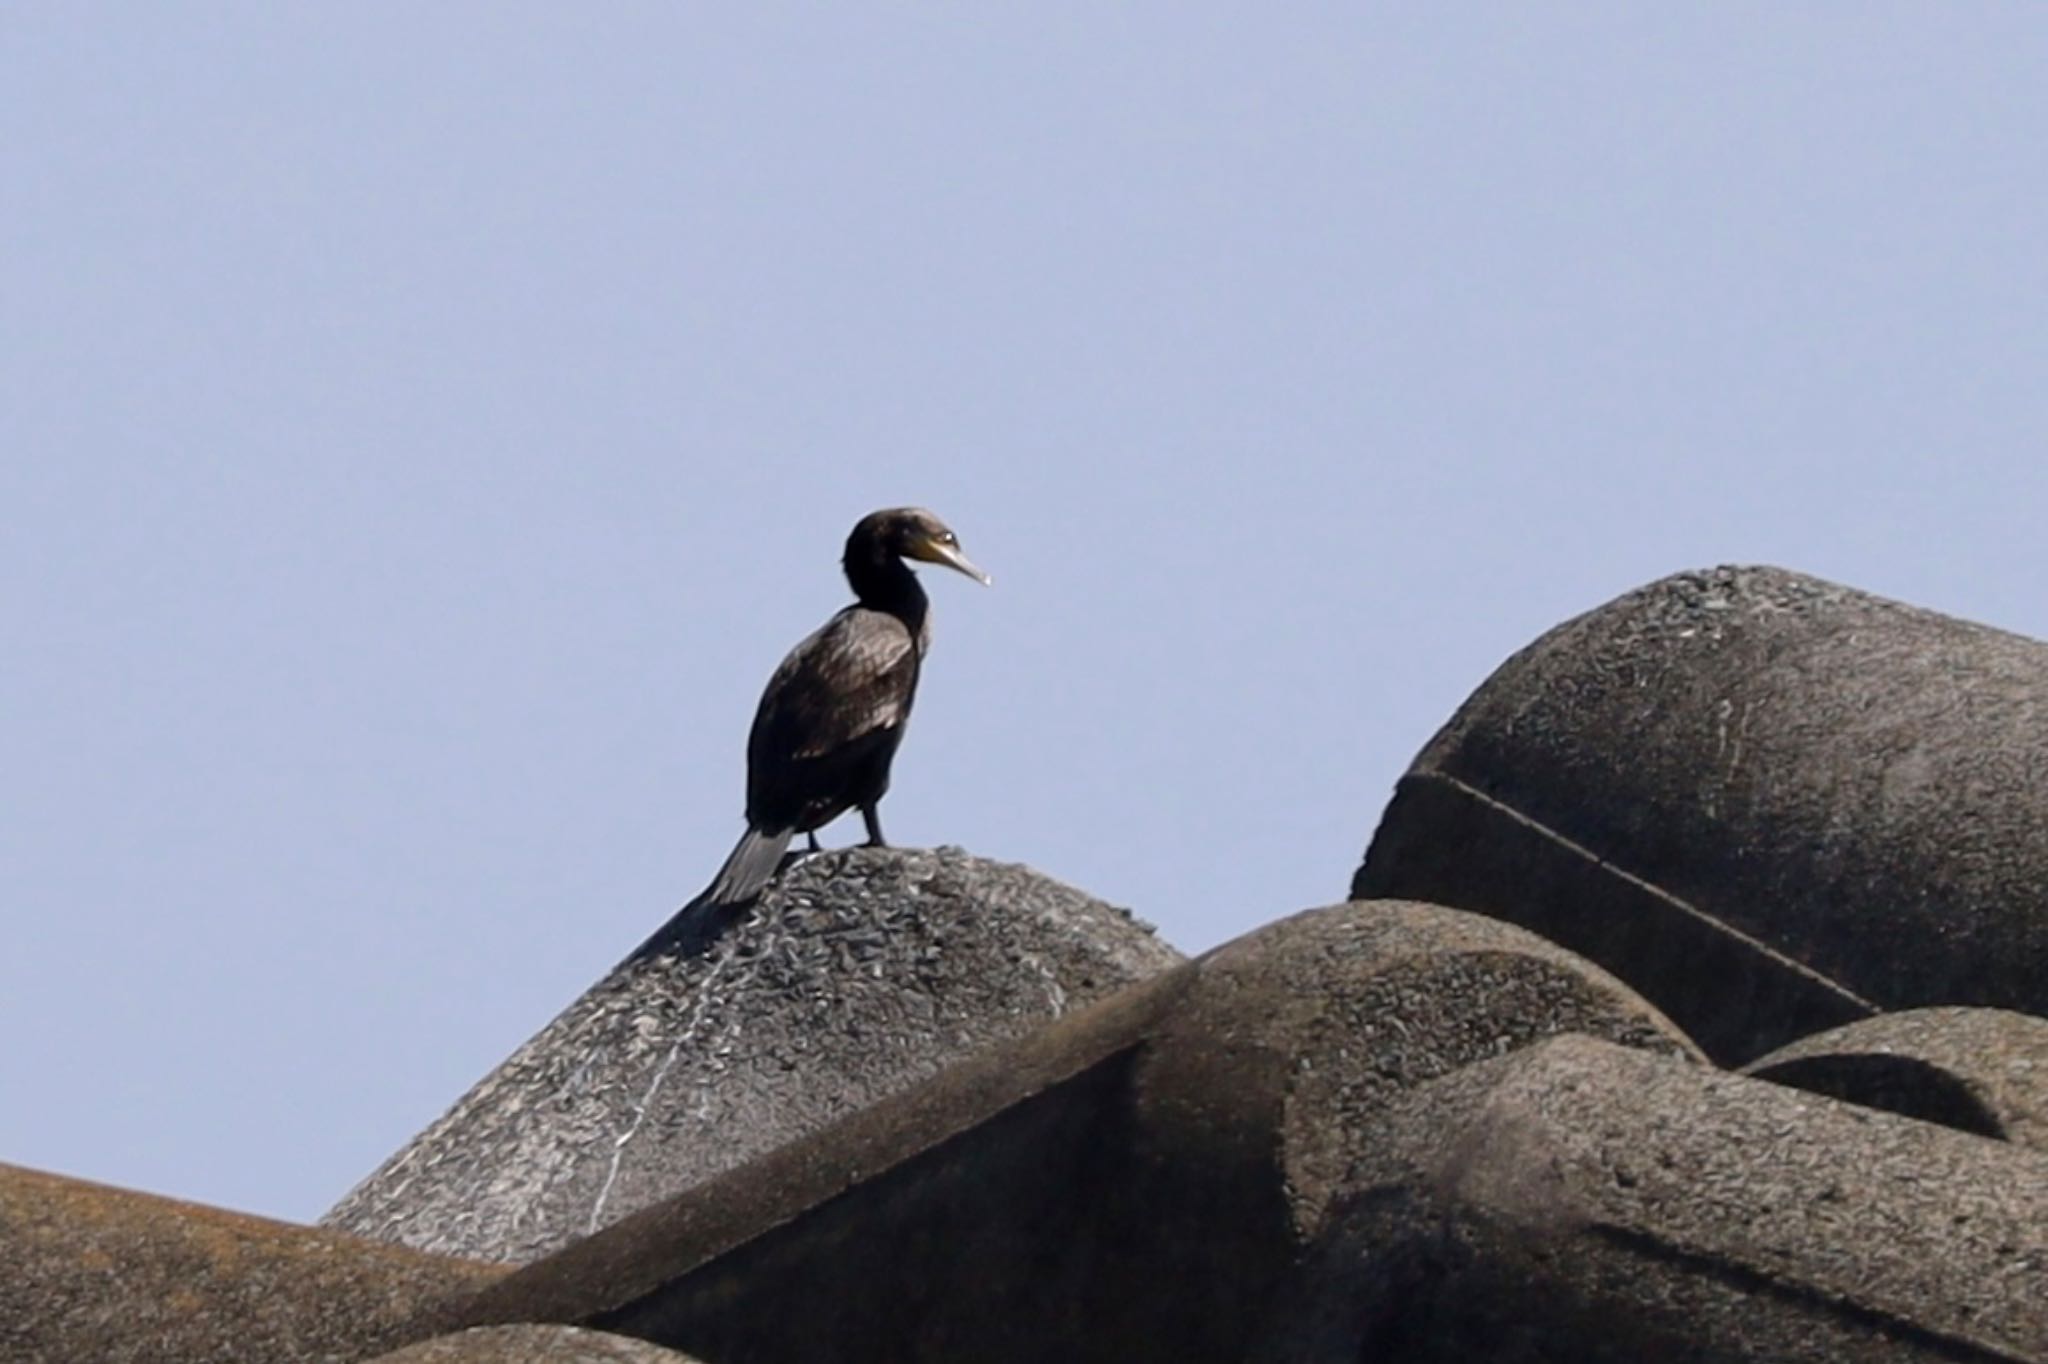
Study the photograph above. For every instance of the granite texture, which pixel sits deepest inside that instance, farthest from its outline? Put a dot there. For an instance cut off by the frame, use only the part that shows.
(1772, 804)
(533, 1345)
(1588, 1202)
(1977, 1070)
(856, 974)
(96, 1275)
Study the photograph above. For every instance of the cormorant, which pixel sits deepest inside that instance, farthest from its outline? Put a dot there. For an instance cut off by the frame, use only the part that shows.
(832, 715)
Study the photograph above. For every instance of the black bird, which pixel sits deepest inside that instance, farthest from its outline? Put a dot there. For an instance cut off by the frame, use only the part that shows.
(833, 713)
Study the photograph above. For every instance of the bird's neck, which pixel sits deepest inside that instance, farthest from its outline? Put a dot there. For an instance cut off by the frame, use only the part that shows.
(885, 583)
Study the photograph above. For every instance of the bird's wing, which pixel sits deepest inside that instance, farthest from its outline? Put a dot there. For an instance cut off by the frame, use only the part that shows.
(855, 675)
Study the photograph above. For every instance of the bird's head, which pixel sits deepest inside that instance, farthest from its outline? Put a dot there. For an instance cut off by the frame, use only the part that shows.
(913, 533)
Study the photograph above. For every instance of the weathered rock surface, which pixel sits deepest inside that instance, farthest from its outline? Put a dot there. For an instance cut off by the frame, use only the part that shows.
(1136, 1181)
(857, 973)
(105, 1276)
(1587, 1202)
(533, 1345)
(1770, 803)
(1978, 1070)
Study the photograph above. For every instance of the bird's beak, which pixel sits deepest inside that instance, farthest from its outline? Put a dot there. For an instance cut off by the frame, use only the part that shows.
(932, 552)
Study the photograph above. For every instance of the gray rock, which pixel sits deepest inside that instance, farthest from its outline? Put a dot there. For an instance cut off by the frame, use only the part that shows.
(1135, 1181)
(856, 974)
(1311, 1027)
(1979, 1070)
(533, 1345)
(1586, 1202)
(89, 1273)
(1770, 803)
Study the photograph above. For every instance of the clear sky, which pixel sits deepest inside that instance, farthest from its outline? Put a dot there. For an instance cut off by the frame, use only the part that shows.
(423, 427)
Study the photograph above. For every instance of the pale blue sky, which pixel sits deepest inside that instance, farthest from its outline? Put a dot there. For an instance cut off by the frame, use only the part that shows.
(422, 428)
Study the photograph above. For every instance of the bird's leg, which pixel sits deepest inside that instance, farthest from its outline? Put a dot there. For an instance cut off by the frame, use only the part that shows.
(874, 823)
(812, 834)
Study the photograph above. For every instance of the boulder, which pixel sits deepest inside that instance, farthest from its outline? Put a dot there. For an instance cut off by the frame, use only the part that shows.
(1588, 1202)
(93, 1273)
(1977, 1070)
(856, 974)
(1770, 803)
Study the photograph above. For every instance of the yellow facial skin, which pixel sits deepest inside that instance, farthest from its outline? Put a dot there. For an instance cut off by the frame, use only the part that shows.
(944, 548)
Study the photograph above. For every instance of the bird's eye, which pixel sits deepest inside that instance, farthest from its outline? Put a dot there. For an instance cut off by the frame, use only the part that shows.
(947, 537)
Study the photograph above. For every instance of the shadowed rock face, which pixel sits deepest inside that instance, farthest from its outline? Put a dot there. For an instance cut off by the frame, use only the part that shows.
(856, 974)
(1136, 1181)
(1977, 1070)
(533, 1345)
(1381, 996)
(1581, 1201)
(104, 1276)
(1770, 803)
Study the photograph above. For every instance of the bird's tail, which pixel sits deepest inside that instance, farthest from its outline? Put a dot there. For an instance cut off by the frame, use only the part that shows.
(747, 868)
(694, 927)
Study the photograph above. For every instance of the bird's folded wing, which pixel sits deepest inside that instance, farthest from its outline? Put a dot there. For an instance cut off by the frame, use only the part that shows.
(853, 676)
